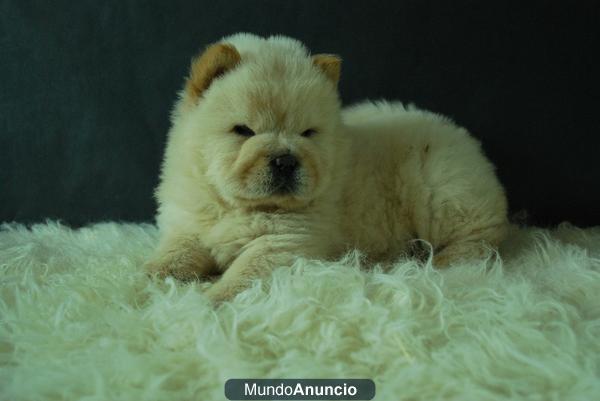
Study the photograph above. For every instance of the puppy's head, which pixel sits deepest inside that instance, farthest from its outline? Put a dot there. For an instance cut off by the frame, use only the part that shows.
(264, 118)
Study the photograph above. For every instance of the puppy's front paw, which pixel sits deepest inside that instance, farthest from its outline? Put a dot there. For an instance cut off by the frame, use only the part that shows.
(183, 266)
(163, 268)
(222, 291)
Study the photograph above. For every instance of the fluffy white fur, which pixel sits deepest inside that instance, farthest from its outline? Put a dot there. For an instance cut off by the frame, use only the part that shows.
(372, 177)
(79, 319)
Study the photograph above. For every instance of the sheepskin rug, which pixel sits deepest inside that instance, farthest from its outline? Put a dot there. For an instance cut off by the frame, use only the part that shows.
(79, 320)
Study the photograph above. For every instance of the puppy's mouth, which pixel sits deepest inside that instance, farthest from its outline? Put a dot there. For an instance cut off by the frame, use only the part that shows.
(283, 186)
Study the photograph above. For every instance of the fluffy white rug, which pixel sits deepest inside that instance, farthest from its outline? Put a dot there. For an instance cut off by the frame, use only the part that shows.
(79, 320)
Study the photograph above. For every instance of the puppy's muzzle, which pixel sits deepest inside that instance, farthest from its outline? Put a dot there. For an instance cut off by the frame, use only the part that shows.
(284, 169)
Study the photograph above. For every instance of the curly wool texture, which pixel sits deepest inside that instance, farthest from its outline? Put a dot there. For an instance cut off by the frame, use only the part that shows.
(80, 320)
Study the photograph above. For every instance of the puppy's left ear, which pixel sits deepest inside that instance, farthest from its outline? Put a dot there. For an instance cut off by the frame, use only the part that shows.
(330, 65)
(216, 60)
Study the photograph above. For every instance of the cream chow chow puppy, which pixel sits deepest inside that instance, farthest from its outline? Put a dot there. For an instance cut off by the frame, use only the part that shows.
(263, 166)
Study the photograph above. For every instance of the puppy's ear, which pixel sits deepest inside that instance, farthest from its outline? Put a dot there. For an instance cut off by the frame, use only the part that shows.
(330, 64)
(216, 60)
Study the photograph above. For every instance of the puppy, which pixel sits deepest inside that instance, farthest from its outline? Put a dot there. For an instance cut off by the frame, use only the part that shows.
(263, 166)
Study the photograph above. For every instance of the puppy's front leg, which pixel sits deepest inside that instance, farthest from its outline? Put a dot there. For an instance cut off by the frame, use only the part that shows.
(182, 257)
(259, 257)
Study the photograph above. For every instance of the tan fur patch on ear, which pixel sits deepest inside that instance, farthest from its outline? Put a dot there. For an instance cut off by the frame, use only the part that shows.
(330, 64)
(216, 60)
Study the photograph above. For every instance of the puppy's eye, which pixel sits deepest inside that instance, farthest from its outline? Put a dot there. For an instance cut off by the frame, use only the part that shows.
(308, 133)
(242, 130)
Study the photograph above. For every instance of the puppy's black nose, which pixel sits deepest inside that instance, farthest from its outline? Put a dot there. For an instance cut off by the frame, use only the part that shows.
(285, 162)
(283, 173)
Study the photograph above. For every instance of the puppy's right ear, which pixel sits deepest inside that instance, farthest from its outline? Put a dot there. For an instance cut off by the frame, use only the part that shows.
(330, 65)
(216, 60)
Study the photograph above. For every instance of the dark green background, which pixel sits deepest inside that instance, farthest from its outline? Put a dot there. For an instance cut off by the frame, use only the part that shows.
(86, 88)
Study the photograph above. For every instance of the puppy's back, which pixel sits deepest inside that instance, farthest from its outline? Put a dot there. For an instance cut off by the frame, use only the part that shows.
(417, 174)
